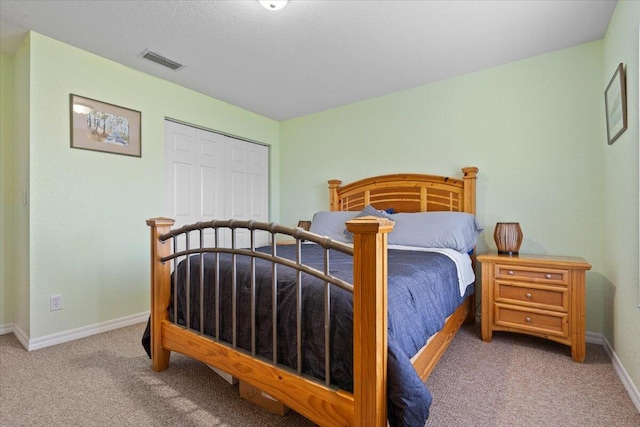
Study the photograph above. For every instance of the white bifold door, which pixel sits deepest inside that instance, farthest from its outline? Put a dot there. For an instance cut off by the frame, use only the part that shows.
(213, 176)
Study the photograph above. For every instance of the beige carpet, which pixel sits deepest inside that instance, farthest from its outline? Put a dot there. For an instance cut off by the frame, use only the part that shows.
(107, 380)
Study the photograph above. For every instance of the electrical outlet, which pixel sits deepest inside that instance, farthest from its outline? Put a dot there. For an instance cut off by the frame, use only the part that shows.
(55, 302)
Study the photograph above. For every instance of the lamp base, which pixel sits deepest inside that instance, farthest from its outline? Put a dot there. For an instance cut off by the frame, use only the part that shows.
(508, 237)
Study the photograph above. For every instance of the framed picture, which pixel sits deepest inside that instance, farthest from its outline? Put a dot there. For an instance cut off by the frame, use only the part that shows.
(615, 99)
(99, 126)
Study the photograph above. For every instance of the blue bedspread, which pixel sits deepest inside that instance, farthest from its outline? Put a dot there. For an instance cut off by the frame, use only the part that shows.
(423, 292)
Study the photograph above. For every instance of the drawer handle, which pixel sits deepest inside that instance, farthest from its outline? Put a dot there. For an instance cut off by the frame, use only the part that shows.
(510, 272)
(528, 319)
(548, 276)
(528, 295)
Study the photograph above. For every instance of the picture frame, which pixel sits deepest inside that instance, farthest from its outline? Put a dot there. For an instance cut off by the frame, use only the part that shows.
(615, 98)
(100, 126)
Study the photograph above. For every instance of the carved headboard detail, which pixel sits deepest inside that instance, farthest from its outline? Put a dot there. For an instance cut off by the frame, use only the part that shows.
(407, 193)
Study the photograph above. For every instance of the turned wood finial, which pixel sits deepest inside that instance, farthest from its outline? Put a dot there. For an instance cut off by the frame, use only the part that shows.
(470, 172)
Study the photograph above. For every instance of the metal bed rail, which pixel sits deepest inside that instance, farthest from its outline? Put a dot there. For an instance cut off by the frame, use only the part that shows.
(182, 238)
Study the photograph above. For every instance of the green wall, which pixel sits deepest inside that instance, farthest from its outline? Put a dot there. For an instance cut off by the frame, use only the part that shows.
(87, 234)
(620, 198)
(7, 193)
(534, 128)
(20, 148)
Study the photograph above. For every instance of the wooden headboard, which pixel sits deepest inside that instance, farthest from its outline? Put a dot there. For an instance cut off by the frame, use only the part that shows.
(407, 193)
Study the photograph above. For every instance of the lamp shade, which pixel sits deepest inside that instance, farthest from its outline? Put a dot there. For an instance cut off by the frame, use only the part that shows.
(508, 237)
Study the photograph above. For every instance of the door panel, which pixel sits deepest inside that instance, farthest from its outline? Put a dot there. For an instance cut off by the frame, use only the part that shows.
(258, 189)
(212, 171)
(182, 190)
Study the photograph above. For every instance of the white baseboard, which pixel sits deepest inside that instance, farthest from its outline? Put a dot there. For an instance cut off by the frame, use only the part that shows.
(85, 331)
(17, 331)
(594, 338)
(6, 329)
(21, 335)
(625, 379)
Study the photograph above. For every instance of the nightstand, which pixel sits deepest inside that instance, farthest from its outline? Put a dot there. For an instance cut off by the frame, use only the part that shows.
(536, 295)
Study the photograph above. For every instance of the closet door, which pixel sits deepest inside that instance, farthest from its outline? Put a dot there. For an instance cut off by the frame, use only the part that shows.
(213, 176)
(258, 187)
(248, 196)
(237, 200)
(180, 146)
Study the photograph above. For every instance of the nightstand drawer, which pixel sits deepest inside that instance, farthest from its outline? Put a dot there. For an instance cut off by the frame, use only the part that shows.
(532, 274)
(531, 320)
(538, 296)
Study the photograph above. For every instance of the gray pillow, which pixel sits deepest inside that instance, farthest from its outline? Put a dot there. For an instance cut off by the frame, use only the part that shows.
(367, 211)
(331, 224)
(454, 230)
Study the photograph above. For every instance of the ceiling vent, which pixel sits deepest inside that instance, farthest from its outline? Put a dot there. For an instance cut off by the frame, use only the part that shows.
(159, 59)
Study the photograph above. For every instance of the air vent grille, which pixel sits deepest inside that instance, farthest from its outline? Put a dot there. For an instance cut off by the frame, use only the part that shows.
(159, 59)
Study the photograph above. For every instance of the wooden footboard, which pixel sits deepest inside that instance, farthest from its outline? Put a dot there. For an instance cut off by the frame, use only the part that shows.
(322, 405)
(367, 406)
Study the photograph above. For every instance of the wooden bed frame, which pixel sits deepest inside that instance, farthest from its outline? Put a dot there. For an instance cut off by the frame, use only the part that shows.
(367, 405)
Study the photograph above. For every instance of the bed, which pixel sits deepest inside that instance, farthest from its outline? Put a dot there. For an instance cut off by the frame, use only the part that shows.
(256, 350)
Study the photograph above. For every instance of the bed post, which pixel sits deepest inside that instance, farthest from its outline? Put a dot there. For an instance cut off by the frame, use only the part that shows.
(370, 319)
(334, 200)
(160, 290)
(470, 207)
(470, 189)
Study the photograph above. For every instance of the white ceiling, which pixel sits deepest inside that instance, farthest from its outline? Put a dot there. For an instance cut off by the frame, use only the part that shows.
(312, 55)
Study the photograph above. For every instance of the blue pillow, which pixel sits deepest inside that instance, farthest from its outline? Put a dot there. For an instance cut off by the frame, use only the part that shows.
(331, 224)
(367, 211)
(454, 230)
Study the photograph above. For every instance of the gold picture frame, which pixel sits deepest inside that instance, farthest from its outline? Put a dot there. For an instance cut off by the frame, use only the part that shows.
(615, 99)
(100, 126)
